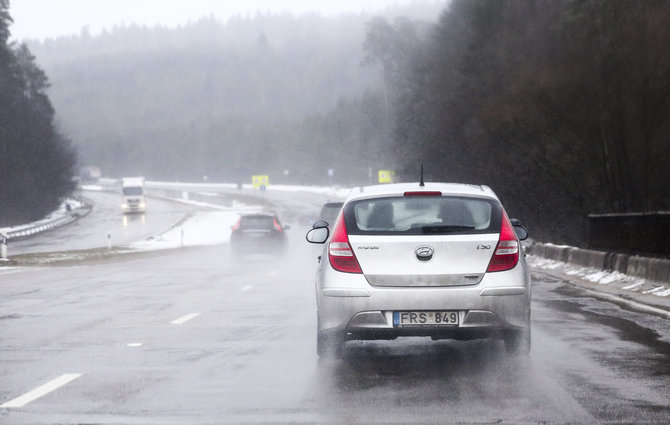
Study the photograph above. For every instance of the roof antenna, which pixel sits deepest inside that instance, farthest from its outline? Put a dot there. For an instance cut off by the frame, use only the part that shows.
(421, 183)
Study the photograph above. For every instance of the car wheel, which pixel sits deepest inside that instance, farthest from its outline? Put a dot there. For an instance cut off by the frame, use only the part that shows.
(518, 342)
(328, 345)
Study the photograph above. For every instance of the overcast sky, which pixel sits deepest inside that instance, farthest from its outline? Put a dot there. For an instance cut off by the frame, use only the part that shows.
(39, 19)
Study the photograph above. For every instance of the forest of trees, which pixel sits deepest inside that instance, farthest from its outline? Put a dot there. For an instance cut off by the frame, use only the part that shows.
(262, 94)
(38, 162)
(562, 106)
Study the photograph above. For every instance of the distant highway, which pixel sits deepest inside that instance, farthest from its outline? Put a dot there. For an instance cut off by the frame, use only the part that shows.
(105, 218)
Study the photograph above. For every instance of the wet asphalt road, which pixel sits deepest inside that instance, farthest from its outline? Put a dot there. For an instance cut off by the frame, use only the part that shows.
(105, 219)
(244, 352)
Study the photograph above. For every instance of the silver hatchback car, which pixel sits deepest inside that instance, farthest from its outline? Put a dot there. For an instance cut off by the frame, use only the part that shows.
(435, 259)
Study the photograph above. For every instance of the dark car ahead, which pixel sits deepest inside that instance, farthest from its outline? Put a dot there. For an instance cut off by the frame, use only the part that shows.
(330, 211)
(258, 233)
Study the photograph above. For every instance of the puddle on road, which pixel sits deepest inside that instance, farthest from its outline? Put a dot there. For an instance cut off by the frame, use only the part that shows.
(656, 359)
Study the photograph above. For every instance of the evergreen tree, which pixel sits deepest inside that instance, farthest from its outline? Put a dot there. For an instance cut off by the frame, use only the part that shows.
(37, 162)
(562, 106)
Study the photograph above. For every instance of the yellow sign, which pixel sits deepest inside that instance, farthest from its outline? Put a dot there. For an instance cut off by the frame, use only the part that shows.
(260, 181)
(386, 176)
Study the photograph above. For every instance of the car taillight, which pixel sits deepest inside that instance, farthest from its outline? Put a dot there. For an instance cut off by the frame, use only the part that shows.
(277, 226)
(506, 254)
(340, 254)
(237, 225)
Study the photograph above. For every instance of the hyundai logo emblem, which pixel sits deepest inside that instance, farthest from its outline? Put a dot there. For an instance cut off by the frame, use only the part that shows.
(424, 253)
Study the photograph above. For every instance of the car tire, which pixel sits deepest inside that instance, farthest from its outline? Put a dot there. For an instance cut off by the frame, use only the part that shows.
(328, 345)
(518, 342)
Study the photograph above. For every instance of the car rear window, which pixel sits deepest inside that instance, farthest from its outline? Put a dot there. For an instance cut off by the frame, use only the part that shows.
(257, 222)
(417, 215)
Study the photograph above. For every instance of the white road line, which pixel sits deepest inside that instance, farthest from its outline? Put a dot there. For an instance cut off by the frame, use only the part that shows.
(41, 391)
(135, 344)
(626, 302)
(184, 319)
(246, 288)
(272, 273)
(11, 270)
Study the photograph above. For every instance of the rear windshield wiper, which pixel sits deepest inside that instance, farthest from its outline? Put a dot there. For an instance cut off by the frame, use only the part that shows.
(444, 228)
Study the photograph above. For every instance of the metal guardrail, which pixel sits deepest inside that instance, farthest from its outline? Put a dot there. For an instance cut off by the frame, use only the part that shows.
(18, 234)
(23, 232)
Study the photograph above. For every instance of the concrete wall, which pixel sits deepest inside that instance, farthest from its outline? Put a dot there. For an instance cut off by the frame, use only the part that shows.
(656, 269)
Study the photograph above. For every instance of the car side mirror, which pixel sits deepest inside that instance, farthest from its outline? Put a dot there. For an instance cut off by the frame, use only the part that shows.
(319, 233)
(519, 229)
(286, 227)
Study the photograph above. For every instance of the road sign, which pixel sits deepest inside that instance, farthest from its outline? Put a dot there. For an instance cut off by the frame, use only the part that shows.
(260, 181)
(386, 176)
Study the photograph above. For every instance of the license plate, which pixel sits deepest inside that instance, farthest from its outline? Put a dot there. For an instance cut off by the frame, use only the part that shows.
(256, 234)
(425, 318)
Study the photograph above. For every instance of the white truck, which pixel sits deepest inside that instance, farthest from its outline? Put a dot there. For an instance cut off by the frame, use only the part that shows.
(133, 195)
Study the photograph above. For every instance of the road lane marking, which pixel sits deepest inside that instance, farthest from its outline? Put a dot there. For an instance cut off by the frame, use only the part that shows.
(41, 391)
(634, 305)
(135, 344)
(272, 273)
(184, 319)
(246, 288)
(12, 270)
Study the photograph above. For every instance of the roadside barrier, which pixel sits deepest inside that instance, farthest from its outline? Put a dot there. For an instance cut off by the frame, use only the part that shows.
(654, 269)
(23, 232)
(29, 231)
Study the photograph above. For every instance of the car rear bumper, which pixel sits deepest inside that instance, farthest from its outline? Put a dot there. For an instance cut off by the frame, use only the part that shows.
(499, 303)
(270, 242)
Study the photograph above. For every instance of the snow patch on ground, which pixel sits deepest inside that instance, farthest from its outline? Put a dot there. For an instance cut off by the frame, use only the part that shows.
(601, 277)
(92, 187)
(237, 206)
(543, 263)
(655, 291)
(634, 287)
(335, 191)
(203, 228)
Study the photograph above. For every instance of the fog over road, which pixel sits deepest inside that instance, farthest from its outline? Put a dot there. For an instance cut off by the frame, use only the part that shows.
(191, 336)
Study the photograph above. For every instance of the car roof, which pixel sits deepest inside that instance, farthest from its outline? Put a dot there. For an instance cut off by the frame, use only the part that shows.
(258, 215)
(398, 189)
(332, 204)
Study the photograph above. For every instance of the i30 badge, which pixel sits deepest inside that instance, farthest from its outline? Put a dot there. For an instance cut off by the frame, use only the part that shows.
(424, 253)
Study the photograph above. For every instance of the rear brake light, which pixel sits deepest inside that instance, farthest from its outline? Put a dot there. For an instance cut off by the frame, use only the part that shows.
(277, 226)
(340, 254)
(237, 225)
(423, 193)
(506, 255)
